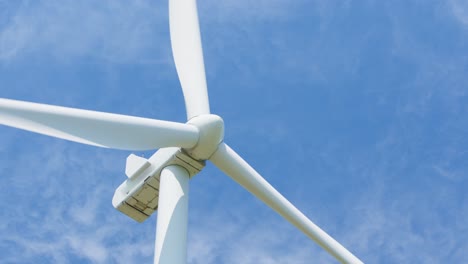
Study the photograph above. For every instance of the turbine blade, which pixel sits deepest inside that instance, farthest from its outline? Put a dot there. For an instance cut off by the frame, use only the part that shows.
(240, 171)
(188, 55)
(97, 128)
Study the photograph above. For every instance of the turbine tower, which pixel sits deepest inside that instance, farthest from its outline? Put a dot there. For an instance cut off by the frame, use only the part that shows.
(161, 182)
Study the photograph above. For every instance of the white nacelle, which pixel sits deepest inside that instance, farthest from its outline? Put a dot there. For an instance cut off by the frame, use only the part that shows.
(138, 196)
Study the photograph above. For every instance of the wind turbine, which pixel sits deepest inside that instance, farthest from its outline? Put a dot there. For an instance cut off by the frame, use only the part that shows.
(161, 182)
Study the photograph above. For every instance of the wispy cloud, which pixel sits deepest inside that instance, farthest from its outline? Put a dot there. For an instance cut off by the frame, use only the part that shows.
(79, 222)
(256, 239)
(108, 30)
(248, 11)
(117, 31)
(362, 122)
(392, 226)
(460, 10)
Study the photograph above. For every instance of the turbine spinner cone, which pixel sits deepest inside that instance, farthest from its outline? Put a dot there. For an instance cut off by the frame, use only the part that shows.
(211, 134)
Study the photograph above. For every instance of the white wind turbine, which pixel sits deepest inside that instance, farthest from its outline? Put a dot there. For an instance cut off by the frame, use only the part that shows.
(161, 182)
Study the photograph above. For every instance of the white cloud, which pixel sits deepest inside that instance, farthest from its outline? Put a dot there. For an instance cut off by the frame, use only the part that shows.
(118, 31)
(460, 10)
(32, 250)
(383, 224)
(89, 248)
(223, 236)
(406, 226)
(248, 10)
(57, 223)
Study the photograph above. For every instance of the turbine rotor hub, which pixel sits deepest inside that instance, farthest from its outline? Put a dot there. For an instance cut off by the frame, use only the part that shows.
(211, 134)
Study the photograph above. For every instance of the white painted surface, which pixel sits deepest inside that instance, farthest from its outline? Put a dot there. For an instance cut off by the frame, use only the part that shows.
(97, 128)
(188, 55)
(171, 228)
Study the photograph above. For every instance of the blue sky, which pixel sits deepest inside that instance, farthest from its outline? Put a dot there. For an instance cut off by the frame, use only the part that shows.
(354, 110)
